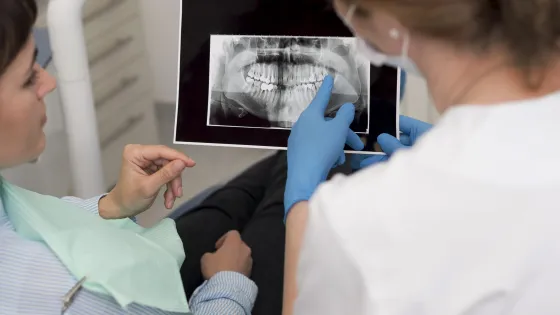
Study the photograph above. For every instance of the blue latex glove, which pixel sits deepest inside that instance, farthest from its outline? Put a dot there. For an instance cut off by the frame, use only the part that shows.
(316, 145)
(411, 129)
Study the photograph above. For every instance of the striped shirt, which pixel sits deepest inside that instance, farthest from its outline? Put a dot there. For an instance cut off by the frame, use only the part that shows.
(33, 282)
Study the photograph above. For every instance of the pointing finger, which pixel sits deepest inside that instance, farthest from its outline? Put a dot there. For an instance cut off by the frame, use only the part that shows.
(323, 96)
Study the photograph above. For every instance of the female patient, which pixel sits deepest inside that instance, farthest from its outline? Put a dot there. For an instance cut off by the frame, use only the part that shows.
(32, 278)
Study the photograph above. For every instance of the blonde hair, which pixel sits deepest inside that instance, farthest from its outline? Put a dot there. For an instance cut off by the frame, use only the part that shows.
(528, 29)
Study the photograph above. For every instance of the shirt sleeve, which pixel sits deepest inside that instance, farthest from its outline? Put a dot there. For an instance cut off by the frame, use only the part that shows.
(91, 204)
(327, 278)
(225, 293)
(363, 248)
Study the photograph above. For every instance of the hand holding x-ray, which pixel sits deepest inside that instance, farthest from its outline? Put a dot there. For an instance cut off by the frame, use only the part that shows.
(316, 144)
(411, 130)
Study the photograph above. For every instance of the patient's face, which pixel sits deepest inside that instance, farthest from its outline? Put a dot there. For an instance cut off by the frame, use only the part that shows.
(23, 86)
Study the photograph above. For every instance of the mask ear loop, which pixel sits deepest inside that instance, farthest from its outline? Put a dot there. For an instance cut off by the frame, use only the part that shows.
(348, 17)
(406, 45)
(350, 13)
(394, 33)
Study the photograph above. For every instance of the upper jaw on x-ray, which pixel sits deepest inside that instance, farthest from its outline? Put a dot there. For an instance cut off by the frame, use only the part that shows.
(277, 78)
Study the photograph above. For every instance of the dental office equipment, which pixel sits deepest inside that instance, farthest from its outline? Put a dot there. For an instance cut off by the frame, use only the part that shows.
(64, 20)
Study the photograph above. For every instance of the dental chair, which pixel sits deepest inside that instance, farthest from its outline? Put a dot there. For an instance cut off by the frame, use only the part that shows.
(196, 200)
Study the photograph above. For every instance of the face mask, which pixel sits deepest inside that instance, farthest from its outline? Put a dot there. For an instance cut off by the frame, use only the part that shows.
(376, 57)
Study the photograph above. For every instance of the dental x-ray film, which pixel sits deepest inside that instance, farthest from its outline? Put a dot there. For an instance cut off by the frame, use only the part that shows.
(248, 69)
(274, 78)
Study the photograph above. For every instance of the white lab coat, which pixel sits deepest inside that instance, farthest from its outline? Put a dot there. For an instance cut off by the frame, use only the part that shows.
(465, 223)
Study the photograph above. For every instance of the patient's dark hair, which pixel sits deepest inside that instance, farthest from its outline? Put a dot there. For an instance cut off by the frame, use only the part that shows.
(17, 18)
(528, 29)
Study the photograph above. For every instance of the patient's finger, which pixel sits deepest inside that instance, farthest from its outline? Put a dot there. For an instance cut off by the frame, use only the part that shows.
(169, 198)
(156, 152)
(152, 169)
(221, 241)
(230, 236)
(169, 189)
(176, 186)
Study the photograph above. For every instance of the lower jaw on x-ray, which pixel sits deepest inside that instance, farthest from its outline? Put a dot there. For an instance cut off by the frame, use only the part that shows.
(273, 79)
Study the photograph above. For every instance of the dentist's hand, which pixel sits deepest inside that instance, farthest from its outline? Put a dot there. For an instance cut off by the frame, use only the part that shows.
(145, 170)
(411, 130)
(316, 145)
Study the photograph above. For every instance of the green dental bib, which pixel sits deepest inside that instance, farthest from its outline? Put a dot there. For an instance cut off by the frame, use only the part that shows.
(119, 258)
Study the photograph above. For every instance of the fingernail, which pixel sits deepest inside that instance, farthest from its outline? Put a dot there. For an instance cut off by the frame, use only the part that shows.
(180, 191)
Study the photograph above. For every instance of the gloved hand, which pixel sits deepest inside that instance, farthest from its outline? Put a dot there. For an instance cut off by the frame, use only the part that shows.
(411, 130)
(316, 145)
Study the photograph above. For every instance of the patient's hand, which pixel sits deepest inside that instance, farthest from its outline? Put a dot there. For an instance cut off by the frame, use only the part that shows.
(232, 254)
(145, 169)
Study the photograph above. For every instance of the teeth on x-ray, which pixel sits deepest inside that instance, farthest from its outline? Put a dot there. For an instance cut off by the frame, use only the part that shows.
(276, 78)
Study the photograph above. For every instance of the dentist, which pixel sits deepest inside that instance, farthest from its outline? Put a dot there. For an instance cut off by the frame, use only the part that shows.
(465, 221)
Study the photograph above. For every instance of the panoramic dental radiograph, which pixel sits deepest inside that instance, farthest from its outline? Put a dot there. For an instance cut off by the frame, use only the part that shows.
(273, 79)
